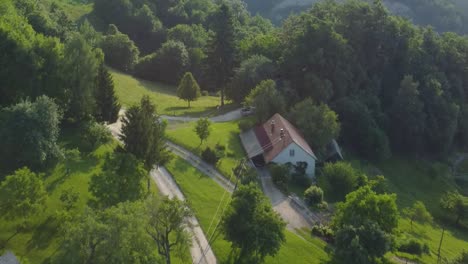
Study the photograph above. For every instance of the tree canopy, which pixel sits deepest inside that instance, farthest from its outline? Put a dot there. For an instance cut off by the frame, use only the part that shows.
(252, 226)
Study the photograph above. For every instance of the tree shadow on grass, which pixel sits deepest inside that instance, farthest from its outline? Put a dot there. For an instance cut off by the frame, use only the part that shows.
(43, 234)
(82, 166)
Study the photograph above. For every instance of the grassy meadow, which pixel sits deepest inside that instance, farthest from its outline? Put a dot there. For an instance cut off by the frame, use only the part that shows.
(129, 90)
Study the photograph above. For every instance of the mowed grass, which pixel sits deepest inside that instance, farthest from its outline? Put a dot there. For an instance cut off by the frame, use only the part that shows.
(414, 180)
(205, 195)
(130, 90)
(41, 241)
(225, 134)
(454, 242)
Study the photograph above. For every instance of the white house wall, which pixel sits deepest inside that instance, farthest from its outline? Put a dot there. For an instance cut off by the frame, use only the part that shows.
(299, 156)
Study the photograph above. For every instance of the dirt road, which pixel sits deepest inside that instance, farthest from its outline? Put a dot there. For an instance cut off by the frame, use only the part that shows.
(229, 116)
(200, 251)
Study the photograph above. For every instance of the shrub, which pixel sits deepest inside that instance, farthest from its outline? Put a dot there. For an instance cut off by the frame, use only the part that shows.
(280, 174)
(414, 247)
(323, 231)
(205, 93)
(246, 124)
(210, 156)
(94, 135)
(462, 259)
(313, 195)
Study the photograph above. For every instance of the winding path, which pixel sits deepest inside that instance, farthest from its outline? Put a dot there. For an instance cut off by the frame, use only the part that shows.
(200, 251)
(229, 116)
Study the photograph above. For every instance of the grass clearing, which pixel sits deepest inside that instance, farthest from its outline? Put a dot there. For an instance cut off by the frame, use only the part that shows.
(73, 8)
(225, 134)
(415, 180)
(204, 195)
(129, 90)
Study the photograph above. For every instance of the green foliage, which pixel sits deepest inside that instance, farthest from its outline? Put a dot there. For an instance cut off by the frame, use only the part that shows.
(363, 225)
(338, 179)
(221, 49)
(418, 213)
(360, 131)
(116, 234)
(249, 74)
(246, 124)
(252, 226)
(210, 156)
(365, 244)
(318, 123)
(266, 99)
(69, 198)
(81, 69)
(107, 105)
(22, 195)
(188, 88)
(168, 225)
(323, 231)
(143, 134)
(94, 135)
(454, 203)
(29, 133)
(167, 65)
(202, 129)
(413, 246)
(280, 175)
(313, 195)
(120, 180)
(364, 206)
(120, 51)
(463, 259)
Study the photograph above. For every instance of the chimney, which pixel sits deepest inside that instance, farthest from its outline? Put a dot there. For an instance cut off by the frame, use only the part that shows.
(282, 134)
(272, 123)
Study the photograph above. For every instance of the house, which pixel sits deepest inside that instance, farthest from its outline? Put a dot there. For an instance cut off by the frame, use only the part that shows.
(278, 141)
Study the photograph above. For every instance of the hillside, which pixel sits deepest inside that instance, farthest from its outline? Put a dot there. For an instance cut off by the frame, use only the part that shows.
(447, 15)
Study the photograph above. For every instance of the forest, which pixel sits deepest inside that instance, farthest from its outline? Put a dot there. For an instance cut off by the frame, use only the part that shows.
(386, 85)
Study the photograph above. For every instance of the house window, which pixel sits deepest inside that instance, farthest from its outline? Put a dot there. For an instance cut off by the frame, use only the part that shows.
(291, 153)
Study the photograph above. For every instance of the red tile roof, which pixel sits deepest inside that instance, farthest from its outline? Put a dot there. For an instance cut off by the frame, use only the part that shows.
(269, 137)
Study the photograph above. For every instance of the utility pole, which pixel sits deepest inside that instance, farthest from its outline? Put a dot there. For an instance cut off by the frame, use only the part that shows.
(439, 258)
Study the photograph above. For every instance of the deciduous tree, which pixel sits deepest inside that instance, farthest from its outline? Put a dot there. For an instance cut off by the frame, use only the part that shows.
(455, 204)
(22, 195)
(417, 212)
(120, 180)
(167, 225)
(266, 99)
(188, 89)
(203, 129)
(318, 122)
(338, 179)
(252, 226)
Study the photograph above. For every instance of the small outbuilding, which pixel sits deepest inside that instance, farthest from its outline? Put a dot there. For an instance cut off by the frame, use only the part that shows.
(278, 141)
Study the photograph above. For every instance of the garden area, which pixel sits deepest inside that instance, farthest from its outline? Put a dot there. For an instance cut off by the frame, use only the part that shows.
(223, 138)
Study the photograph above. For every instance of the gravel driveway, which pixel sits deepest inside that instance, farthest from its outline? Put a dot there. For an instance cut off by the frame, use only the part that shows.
(281, 203)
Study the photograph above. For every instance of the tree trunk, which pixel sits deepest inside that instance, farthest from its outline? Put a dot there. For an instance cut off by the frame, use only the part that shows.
(458, 219)
(149, 183)
(188, 103)
(222, 96)
(168, 253)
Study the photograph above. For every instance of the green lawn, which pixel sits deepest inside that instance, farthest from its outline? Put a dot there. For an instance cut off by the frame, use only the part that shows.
(129, 90)
(204, 195)
(413, 180)
(226, 134)
(41, 241)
